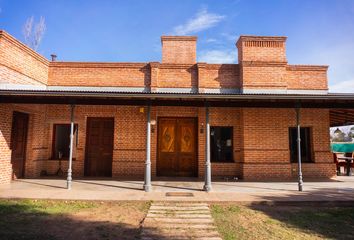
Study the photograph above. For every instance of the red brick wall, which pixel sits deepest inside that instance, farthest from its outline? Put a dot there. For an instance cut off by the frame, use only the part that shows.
(227, 117)
(307, 77)
(5, 139)
(215, 76)
(36, 139)
(20, 64)
(314, 170)
(130, 137)
(156, 75)
(98, 74)
(266, 144)
(261, 148)
(264, 76)
(177, 76)
(263, 65)
(128, 151)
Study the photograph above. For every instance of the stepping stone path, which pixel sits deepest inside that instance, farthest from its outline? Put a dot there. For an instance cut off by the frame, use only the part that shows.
(179, 221)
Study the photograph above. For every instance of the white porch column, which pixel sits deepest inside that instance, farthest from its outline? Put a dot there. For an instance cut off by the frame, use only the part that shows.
(69, 179)
(147, 179)
(207, 174)
(299, 147)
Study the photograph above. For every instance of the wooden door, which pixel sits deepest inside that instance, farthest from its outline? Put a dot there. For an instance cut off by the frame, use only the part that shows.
(177, 147)
(99, 147)
(18, 143)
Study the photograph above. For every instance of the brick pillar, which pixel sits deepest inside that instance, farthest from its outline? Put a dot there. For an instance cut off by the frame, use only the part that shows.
(154, 76)
(201, 77)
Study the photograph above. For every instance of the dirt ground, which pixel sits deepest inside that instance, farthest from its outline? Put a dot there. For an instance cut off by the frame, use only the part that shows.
(70, 220)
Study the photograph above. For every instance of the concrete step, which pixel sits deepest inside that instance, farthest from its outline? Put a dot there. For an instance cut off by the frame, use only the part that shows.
(180, 204)
(152, 225)
(179, 238)
(193, 208)
(179, 212)
(179, 233)
(207, 238)
(171, 215)
(179, 220)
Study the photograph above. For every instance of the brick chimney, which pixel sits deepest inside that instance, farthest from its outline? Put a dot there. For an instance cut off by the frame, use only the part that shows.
(261, 49)
(179, 49)
(263, 64)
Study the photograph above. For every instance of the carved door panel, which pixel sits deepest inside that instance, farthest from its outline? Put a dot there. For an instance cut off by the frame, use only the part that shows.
(177, 147)
(167, 154)
(186, 135)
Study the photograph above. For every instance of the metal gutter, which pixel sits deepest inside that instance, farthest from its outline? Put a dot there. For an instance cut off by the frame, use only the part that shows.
(43, 93)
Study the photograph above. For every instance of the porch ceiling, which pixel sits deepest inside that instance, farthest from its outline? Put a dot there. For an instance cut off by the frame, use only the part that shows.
(341, 117)
(341, 105)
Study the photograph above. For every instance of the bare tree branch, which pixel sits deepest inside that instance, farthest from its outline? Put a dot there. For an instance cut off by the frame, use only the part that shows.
(39, 32)
(27, 30)
(33, 34)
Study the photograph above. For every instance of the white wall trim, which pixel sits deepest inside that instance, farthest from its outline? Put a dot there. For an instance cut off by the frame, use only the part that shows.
(283, 91)
(10, 86)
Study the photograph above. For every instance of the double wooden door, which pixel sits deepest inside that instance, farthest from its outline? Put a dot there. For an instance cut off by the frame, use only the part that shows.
(18, 143)
(177, 147)
(99, 147)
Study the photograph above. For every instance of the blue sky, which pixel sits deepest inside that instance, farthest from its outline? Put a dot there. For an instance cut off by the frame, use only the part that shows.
(318, 31)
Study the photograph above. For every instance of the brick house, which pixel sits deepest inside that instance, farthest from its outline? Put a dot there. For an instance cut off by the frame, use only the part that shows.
(173, 118)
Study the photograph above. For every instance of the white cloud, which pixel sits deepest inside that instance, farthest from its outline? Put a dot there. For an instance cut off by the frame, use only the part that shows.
(211, 40)
(342, 87)
(230, 37)
(217, 56)
(201, 21)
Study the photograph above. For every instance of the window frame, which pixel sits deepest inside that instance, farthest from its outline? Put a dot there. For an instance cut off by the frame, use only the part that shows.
(232, 145)
(54, 131)
(310, 156)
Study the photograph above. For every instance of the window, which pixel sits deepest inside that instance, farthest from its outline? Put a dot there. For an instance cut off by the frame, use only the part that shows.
(306, 144)
(61, 140)
(221, 144)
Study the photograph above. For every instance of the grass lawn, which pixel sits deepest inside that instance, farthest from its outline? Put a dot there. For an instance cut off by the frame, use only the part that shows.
(280, 222)
(43, 219)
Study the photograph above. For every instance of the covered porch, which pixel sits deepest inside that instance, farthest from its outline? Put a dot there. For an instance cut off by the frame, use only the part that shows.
(74, 99)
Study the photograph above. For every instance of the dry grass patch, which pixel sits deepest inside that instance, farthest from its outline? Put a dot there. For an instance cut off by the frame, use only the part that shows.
(280, 222)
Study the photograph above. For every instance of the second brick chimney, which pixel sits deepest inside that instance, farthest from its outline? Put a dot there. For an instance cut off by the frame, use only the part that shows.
(263, 64)
(261, 49)
(179, 49)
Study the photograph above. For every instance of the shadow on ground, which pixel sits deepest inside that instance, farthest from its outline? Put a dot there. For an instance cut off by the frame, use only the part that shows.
(328, 218)
(25, 219)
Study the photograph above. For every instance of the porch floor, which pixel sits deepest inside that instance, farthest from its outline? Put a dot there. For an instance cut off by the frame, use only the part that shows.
(340, 189)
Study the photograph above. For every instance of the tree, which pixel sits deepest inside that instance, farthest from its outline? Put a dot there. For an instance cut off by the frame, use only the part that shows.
(351, 134)
(338, 136)
(33, 34)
